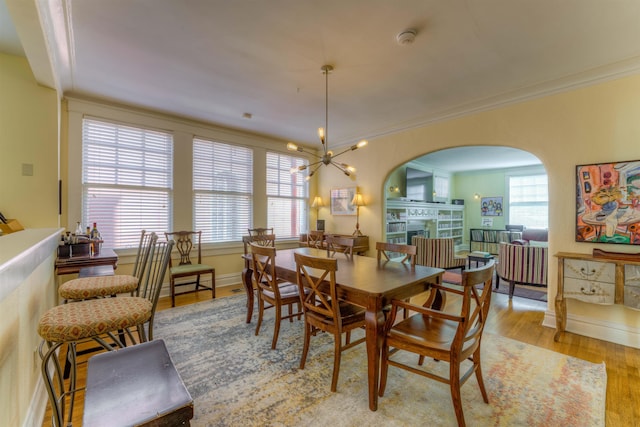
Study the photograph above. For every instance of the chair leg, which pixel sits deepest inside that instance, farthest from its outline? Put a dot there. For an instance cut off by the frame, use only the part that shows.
(384, 369)
(213, 284)
(478, 369)
(305, 347)
(260, 312)
(456, 397)
(497, 281)
(172, 285)
(336, 361)
(276, 328)
(512, 288)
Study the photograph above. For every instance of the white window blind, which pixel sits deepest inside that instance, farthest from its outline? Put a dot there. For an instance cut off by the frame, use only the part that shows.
(223, 190)
(529, 200)
(287, 196)
(127, 181)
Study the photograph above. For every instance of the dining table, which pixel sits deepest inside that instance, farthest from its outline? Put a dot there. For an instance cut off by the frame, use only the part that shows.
(371, 284)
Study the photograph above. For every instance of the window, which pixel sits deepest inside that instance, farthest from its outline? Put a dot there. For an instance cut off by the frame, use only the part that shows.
(127, 179)
(287, 196)
(223, 190)
(529, 200)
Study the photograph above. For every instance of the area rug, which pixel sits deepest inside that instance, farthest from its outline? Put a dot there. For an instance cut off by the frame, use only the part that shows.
(237, 380)
(522, 291)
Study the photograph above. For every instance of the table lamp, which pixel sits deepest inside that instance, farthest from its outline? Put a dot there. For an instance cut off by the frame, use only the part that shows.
(357, 201)
(317, 203)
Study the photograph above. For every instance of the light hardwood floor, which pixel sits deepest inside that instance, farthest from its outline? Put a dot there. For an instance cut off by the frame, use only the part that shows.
(519, 319)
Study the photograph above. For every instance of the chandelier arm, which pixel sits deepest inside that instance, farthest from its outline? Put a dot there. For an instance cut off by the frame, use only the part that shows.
(344, 171)
(316, 169)
(342, 152)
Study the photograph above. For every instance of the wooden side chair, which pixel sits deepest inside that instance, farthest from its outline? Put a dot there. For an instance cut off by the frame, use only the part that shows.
(98, 320)
(271, 291)
(392, 250)
(247, 280)
(261, 231)
(186, 242)
(446, 337)
(106, 286)
(315, 239)
(340, 244)
(323, 311)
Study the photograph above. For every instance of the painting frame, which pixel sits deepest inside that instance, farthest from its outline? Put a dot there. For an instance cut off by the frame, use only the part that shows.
(491, 206)
(341, 201)
(608, 202)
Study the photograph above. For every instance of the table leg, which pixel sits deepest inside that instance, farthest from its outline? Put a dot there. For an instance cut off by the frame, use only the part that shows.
(248, 287)
(374, 329)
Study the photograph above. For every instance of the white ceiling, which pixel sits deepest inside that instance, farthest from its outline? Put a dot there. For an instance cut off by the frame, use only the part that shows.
(214, 60)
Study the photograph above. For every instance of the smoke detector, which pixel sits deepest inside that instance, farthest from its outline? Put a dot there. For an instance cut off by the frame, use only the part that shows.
(406, 37)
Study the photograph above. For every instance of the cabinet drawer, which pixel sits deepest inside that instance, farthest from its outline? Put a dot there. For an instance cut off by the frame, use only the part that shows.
(592, 271)
(589, 291)
(632, 297)
(632, 275)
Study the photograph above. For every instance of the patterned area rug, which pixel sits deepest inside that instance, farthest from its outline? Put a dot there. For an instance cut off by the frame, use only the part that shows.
(236, 379)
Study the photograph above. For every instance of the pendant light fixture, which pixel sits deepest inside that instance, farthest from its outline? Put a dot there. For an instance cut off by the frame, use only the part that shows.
(328, 157)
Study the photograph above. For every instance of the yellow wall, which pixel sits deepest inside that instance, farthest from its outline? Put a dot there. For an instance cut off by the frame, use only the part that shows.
(28, 135)
(588, 125)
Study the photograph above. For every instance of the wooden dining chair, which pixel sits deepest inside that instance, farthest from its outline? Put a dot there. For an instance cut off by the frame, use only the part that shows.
(260, 231)
(315, 239)
(446, 337)
(395, 251)
(340, 244)
(272, 293)
(323, 311)
(186, 242)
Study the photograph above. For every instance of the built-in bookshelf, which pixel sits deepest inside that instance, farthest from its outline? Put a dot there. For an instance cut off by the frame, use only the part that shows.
(406, 218)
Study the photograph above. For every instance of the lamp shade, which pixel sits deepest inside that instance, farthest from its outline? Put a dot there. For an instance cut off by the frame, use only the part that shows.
(357, 200)
(317, 202)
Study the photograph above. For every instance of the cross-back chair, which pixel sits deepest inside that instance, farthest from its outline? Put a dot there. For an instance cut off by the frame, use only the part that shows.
(272, 293)
(247, 275)
(315, 239)
(105, 286)
(323, 311)
(390, 251)
(98, 320)
(185, 243)
(340, 244)
(448, 337)
(260, 231)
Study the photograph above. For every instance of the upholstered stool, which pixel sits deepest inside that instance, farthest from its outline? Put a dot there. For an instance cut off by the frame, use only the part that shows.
(97, 319)
(104, 286)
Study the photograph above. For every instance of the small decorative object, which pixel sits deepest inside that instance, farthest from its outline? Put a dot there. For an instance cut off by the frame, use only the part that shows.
(341, 201)
(491, 206)
(607, 196)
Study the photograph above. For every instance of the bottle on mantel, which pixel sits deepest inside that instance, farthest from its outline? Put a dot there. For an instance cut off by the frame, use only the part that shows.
(95, 234)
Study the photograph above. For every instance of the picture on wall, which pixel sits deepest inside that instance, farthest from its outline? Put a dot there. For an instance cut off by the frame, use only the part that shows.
(607, 196)
(341, 201)
(491, 206)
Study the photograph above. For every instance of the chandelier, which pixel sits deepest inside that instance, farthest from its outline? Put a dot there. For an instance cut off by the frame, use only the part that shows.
(328, 157)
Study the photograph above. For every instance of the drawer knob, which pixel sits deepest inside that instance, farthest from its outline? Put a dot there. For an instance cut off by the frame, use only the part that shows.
(587, 291)
(587, 273)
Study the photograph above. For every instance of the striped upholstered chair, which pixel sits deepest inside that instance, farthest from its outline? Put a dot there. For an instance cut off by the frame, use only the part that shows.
(438, 253)
(519, 264)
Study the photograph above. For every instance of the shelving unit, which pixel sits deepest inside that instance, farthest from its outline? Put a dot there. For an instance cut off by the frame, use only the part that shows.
(437, 219)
